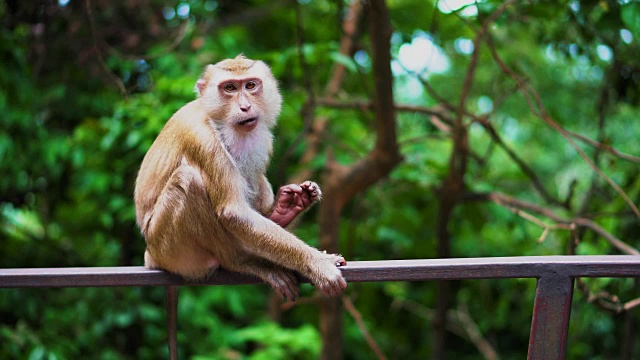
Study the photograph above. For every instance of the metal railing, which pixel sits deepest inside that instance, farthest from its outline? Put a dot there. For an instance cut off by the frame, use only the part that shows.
(551, 310)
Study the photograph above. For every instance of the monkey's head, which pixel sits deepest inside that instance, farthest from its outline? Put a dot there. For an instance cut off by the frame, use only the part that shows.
(240, 92)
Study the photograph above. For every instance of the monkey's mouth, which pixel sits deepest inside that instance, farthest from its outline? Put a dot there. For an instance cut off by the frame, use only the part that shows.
(248, 122)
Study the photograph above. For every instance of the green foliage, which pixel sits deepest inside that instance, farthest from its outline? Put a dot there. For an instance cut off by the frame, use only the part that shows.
(71, 144)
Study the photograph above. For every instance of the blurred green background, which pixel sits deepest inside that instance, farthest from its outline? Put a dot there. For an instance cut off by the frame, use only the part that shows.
(85, 86)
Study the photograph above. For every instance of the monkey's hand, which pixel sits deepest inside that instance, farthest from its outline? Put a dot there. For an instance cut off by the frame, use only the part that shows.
(293, 199)
(326, 276)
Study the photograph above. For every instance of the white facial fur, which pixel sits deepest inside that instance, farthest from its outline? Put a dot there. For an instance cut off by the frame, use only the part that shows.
(268, 103)
(251, 150)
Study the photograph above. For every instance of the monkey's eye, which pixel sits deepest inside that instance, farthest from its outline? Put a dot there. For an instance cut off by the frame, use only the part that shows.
(250, 85)
(230, 87)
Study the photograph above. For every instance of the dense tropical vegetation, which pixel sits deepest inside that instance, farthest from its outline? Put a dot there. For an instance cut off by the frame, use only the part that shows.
(510, 129)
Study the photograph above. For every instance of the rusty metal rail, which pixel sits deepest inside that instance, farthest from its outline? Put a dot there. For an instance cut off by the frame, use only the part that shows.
(551, 310)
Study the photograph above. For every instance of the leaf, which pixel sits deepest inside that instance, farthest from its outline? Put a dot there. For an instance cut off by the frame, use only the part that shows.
(344, 60)
(630, 14)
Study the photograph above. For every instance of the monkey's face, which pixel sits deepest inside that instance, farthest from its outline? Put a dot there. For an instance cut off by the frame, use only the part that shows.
(241, 93)
(244, 96)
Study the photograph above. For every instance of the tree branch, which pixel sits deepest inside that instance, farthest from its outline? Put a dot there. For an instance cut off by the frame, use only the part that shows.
(348, 305)
(528, 171)
(182, 33)
(606, 147)
(348, 181)
(537, 107)
(510, 202)
(94, 36)
(317, 129)
(367, 105)
(461, 324)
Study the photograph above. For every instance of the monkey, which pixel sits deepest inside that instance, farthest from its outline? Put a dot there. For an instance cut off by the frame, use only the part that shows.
(202, 198)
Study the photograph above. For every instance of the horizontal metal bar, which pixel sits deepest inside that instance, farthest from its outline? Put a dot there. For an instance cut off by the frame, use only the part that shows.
(355, 271)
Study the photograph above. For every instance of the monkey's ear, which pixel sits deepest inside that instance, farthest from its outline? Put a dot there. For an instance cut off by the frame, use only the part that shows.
(201, 84)
(240, 56)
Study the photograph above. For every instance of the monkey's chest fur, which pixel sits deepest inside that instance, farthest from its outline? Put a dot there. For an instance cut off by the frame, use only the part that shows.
(250, 154)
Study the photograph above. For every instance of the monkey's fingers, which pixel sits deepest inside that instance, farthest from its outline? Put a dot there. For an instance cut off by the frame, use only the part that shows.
(341, 261)
(330, 280)
(303, 201)
(290, 197)
(313, 189)
(291, 189)
(334, 287)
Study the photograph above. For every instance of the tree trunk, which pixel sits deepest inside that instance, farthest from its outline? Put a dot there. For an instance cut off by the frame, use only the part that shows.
(342, 183)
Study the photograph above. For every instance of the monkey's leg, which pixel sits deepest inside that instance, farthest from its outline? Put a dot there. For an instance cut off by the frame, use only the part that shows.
(181, 221)
(234, 230)
(189, 242)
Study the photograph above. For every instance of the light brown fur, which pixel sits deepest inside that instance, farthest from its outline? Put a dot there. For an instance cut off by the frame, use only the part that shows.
(202, 199)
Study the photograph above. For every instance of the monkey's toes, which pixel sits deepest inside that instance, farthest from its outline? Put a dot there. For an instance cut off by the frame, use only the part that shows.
(285, 284)
(288, 293)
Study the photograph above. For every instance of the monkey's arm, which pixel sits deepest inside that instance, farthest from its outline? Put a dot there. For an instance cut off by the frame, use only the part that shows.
(265, 239)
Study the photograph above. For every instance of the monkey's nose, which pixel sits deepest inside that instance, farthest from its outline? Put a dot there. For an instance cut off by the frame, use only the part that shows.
(243, 103)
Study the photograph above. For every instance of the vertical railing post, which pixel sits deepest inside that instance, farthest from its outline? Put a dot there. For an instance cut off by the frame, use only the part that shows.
(172, 321)
(550, 323)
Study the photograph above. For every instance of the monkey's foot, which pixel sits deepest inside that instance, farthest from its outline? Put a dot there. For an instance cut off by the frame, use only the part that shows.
(149, 263)
(285, 283)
